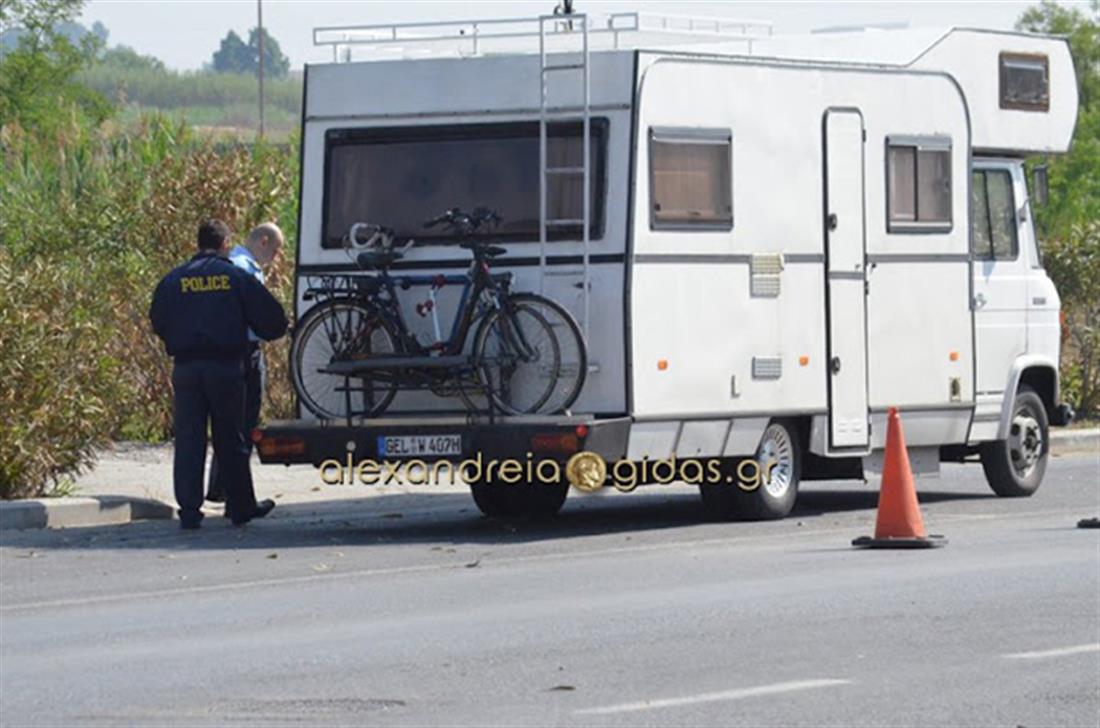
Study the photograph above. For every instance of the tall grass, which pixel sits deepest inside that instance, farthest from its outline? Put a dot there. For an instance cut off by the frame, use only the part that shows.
(89, 221)
(164, 89)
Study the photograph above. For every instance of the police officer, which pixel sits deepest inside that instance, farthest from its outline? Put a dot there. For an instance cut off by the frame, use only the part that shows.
(203, 311)
(260, 249)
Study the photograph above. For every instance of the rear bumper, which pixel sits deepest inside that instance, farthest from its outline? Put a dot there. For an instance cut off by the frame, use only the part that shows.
(308, 442)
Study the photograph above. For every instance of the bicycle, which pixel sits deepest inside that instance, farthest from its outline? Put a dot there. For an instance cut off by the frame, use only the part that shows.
(353, 351)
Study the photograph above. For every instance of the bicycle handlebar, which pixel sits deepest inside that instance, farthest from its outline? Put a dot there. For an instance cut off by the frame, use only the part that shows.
(466, 222)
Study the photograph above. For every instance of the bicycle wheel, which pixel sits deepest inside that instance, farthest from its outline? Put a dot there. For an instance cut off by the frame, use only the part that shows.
(341, 331)
(518, 358)
(573, 368)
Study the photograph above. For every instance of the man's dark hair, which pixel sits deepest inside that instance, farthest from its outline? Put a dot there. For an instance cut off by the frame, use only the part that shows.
(212, 233)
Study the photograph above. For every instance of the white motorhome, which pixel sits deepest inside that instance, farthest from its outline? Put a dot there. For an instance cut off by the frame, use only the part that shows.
(785, 236)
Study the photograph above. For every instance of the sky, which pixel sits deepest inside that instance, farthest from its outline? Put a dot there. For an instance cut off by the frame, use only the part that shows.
(185, 33)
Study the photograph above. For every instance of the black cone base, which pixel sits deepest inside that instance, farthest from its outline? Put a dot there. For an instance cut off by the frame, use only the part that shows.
(931, 542)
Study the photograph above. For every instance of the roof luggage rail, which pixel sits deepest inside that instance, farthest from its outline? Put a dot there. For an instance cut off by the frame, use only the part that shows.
(464, 38)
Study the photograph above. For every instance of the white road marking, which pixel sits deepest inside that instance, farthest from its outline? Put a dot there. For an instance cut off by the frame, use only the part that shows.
(738, 694)
(1060, 652)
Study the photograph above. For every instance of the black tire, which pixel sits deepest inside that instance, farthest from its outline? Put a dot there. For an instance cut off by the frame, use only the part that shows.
(326, 329)
(1014, 467)
(777, 490)
(517, 384)
(573, 368)
(532, 501)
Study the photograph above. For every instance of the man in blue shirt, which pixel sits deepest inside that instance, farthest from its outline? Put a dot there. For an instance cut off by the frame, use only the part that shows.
(203, 310)
(259, 250)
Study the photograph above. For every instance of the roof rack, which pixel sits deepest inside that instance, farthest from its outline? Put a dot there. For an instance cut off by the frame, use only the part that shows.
(464, 38)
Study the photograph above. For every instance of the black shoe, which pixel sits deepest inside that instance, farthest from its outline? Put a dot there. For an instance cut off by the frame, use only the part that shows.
(191, 525)
(262, 509)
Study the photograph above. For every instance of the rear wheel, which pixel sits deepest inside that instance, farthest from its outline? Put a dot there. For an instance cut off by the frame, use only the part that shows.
(341, 331)
(764, 491)
(573, 354)
(518, 358)
(519, 500)
(1014, 467)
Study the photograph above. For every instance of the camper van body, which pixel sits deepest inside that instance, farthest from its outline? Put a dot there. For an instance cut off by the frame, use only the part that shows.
(830, 274)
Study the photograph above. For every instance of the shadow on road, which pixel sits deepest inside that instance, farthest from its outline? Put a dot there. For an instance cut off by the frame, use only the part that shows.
(450, 519)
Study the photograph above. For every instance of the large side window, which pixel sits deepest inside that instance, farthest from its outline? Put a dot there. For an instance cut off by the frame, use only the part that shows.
(400, 177)
(993, 222)
(690, 175)
(918, 180)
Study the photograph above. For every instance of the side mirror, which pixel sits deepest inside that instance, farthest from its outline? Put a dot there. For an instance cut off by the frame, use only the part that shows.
(1040, 185)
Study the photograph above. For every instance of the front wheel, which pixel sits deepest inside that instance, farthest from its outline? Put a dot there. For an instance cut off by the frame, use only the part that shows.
(341, 331)
(1014, 467)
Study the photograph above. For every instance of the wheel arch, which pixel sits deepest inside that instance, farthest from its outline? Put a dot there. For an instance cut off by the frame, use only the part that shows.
(1040, 373)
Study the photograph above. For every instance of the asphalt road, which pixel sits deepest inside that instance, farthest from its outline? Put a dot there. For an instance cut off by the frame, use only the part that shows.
(413, 610)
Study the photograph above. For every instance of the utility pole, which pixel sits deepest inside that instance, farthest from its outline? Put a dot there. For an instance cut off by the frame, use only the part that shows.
(260, 17)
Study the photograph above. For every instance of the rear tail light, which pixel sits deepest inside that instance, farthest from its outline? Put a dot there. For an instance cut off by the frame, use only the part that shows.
(278, 446)
(556, 442)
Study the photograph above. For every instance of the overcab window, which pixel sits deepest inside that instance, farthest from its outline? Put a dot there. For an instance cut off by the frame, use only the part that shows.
(1025, 81)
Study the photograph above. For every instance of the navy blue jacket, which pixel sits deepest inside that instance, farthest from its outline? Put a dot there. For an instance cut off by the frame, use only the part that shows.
(204, 308)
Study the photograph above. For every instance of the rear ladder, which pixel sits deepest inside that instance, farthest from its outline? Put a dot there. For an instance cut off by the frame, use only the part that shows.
(559, 26)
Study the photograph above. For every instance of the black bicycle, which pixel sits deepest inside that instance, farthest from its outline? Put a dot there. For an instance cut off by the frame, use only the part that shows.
(353, 350)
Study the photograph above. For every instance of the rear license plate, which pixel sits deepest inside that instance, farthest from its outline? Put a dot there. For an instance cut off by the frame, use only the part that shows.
(411, 446)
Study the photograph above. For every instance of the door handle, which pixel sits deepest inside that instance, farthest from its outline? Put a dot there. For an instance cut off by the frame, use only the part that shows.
(834, 365)
(831, 221)
(980, 300)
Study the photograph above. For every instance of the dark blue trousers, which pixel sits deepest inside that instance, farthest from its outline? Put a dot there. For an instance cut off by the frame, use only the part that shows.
(253, 400)
(211, 391)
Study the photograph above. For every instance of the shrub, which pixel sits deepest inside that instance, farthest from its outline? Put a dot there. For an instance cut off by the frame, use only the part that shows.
(89, 221)
(59, 371)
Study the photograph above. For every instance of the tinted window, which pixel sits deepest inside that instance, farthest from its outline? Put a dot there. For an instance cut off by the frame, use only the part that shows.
(690, 178)
(402, 177)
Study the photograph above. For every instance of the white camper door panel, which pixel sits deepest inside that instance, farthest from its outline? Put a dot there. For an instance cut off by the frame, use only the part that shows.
(844, 230)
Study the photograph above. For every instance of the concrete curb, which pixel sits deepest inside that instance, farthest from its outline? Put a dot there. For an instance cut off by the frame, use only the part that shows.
(71, 512)
(1074, 441)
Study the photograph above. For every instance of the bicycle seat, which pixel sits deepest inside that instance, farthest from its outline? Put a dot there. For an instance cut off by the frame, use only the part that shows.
(378, 258)
(490, 250)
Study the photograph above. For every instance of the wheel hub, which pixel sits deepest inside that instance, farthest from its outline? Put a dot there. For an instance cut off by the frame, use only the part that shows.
(1025, 442)
(776, 461)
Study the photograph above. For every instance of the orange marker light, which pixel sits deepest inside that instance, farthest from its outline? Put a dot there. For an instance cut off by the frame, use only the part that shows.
(954, 356)
(662, 364)
(803, 361)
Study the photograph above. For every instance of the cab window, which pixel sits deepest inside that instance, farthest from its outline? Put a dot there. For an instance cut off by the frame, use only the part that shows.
(993, 221)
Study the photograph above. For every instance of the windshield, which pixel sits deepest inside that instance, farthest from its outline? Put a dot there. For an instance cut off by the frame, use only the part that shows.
(402, 177)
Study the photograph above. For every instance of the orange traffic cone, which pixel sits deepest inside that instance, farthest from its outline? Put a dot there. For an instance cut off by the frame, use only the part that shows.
(899, 524)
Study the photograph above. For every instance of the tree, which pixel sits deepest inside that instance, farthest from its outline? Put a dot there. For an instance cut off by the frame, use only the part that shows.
(236, 56)
(37, 77)
(1069, 224)
(127, 59)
